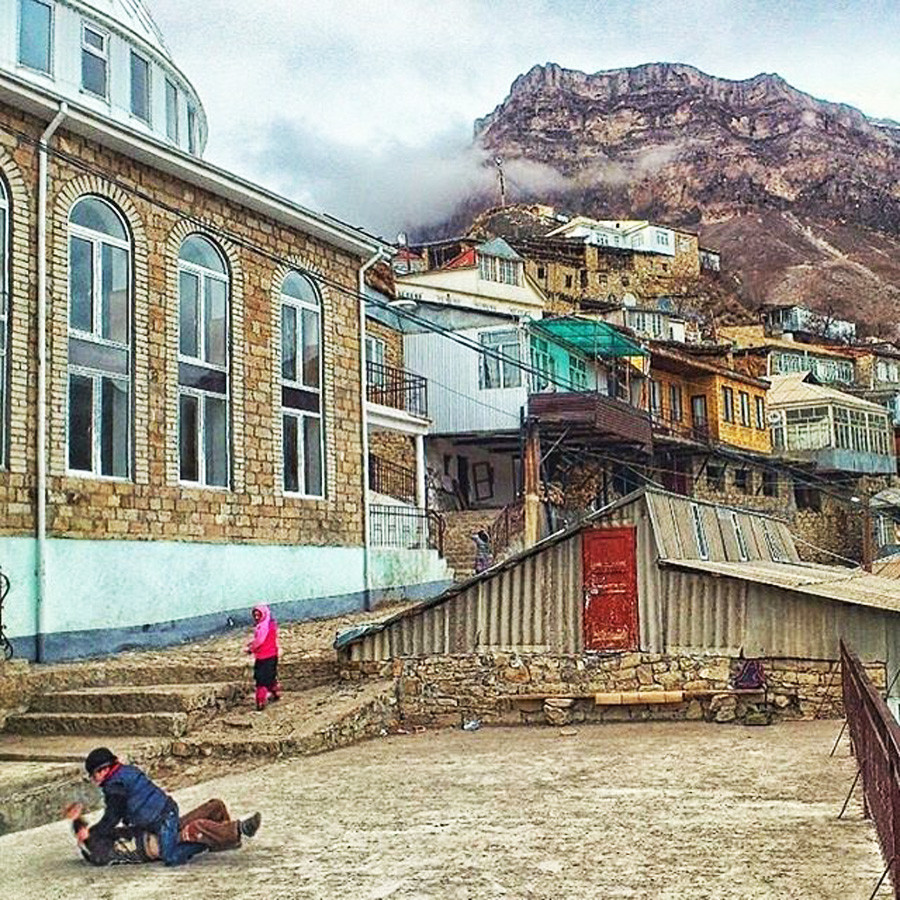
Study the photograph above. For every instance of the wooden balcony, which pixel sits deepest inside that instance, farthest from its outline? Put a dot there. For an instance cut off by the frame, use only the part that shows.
(591, 415)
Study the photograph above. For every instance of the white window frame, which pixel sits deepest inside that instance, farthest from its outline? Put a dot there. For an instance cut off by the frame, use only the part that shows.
(172, 88)
(375, 352)
(103, 54)
(192, 128)
(50, 39)
(97, 377)
(202, 273)
(699, 532)
(774, 545)
(97, 239)
(4, 325)
(148, 90)
(300, 414)
(743, 552)
(744, 400)
(495, 353)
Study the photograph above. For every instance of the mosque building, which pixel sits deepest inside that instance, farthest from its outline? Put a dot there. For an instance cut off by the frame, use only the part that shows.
(183, 426)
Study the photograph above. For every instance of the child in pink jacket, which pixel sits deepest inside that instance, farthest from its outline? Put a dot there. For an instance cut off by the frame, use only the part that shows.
(264, 646)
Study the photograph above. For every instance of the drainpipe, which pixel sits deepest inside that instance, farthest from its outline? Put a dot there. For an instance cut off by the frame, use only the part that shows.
(363, 393)
(41, 487)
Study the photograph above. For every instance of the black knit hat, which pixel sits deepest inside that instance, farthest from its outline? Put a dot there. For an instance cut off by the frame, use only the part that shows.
(98, 758)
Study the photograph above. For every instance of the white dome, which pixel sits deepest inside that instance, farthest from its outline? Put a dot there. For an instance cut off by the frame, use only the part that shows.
(108, 56)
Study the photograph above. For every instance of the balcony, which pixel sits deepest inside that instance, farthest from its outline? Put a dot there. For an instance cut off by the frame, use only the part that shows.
(665, 426)
(591, 415)
(397, 389)
(392, 480)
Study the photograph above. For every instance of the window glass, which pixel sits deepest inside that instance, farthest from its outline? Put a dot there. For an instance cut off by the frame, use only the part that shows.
(4, 323)
(699, 532)
(171, 111)
(204, 381)
(114, 293)
(199, 251)
(188, 430)
(140, 87)
(289, 449)
(299, 287)
(189, 314)
(289, 343)
(739, 537)
(35, 33)
(192, 129)
(81, 284)
(216, 331)
(99, 352)
(97, 215)
(93, 61)
(215, 428)
(310, 348)
(114, 438)
(312, 454)
(499, 367)
(81, 420)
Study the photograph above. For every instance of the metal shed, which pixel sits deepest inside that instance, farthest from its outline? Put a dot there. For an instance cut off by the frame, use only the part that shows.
(657, 572)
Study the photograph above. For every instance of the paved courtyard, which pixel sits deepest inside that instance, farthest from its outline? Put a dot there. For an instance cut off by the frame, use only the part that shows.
(686, 811)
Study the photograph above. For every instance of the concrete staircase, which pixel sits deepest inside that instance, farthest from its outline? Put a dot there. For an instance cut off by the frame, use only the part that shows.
(169, 700)
(459, 549)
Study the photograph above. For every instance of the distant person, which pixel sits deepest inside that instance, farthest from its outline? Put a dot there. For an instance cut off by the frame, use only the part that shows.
(264, 646)
(484, 559)
(132, 799)
(209, 824)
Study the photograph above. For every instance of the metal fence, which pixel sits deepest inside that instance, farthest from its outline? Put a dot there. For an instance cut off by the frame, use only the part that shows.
(875, 736)
(405, 528)
(386, 477)
(397, 388)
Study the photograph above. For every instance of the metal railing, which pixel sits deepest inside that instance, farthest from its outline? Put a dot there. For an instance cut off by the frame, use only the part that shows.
(391, 479)
(403, 528)
(875, 737)
(396, 388)
(683, 427)
(508, 525)
(6, 648)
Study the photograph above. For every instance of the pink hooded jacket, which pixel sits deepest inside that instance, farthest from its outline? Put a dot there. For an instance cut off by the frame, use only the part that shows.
(264, 643)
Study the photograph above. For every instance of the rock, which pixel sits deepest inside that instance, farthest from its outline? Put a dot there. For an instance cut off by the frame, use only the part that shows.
(694, 711)
(559, 702)
(781, 701)
(759, 717)
(180, 749)
(239, 722)
(556, 716)
(515, 674)
(568, 732)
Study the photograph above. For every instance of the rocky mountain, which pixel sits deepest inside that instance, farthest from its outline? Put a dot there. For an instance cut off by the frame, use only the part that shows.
(801, 196)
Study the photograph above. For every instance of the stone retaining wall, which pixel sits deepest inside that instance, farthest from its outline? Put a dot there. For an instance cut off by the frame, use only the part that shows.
(512, 689)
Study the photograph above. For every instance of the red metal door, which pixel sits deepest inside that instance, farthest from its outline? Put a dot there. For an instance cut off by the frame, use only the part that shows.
(610, 589)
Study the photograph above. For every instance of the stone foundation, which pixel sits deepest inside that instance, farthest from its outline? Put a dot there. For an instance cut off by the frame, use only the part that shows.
(512, 689)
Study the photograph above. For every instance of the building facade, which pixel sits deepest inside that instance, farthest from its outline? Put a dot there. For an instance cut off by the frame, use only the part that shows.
(183, 382)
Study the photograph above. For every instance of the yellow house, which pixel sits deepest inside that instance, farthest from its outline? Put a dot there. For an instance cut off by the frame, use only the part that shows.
(705, 402)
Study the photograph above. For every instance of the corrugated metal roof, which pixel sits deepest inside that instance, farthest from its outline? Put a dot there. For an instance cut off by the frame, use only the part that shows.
(787, 390)
(832, 582)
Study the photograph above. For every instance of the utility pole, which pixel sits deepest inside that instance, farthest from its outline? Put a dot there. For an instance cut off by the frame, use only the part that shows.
(498, 162)
(531, 476)
(868, 551)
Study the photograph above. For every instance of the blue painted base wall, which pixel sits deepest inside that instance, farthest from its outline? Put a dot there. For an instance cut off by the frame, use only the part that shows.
(105, 596)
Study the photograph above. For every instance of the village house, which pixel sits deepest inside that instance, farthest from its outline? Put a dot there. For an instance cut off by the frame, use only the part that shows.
(183, 390)
(658, 605)
(710, 429)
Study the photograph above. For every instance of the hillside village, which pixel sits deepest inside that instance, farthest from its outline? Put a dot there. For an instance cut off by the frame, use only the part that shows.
(550, 470)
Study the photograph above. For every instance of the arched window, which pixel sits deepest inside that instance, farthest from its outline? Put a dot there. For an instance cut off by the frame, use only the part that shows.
(301, 386)
(4, 320)
(99, 416)
(203, 363)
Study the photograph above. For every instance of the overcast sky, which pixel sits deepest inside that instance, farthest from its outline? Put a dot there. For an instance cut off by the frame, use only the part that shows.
(364, 109)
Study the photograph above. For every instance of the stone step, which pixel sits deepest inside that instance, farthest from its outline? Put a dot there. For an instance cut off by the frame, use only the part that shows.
(170, 724)
(185, 698)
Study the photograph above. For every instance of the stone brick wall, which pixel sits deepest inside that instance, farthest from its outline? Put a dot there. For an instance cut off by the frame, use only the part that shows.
(160, 211)
(511, 689)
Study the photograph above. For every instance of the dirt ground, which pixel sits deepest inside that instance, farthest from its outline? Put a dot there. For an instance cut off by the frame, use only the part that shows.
(683, 811)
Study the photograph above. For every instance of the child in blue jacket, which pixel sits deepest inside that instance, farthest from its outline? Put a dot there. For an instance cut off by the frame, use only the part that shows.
(133, 799)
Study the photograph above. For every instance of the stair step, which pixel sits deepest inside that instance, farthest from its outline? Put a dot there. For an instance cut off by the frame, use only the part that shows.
(140, 699)
(170, 724)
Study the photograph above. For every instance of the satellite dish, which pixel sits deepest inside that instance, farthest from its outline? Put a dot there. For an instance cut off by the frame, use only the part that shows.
(773, 418)
(402, 239)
